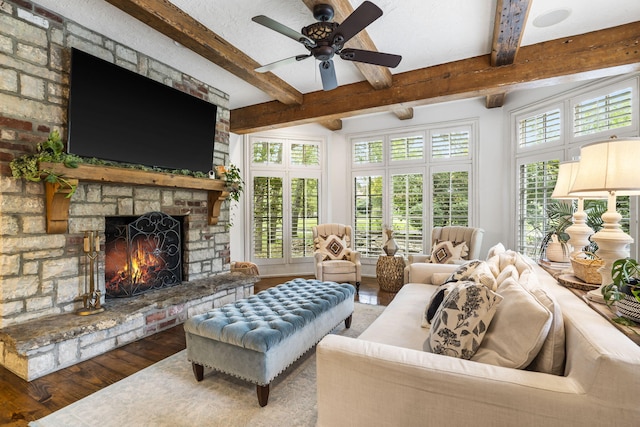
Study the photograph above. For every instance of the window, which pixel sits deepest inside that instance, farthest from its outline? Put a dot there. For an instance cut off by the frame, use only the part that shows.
(267, 217)
(365, 152)
(610, 111)
(407, 211)
(450, 198)
(368, 215)
(539, 129)
(304, 215)
(286, 199)
(449, 145)
(536, 183)
(589, 116)
(407, 148)
(397, 184)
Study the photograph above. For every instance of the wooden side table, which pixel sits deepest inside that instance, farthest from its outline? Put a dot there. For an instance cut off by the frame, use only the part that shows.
(390, 272)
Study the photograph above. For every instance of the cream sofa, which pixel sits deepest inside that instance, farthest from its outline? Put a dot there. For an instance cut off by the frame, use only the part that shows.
(384, 378)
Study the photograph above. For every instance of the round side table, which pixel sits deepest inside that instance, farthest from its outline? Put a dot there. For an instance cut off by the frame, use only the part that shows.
(390, 272)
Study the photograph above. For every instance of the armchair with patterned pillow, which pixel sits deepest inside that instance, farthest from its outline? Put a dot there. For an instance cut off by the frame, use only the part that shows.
(450, 245)
(335, 259)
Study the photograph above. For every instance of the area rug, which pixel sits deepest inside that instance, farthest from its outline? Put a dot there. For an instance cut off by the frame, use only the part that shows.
(167, 394)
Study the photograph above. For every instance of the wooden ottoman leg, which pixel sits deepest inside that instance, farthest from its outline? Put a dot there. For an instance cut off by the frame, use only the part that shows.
(263, 394)
(198, 371)
(347, 321)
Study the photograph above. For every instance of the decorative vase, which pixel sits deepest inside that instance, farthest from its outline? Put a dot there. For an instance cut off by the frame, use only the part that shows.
(390, 247)
(556, 251)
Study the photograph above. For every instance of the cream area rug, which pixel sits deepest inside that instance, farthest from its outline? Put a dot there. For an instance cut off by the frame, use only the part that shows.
(167, 394)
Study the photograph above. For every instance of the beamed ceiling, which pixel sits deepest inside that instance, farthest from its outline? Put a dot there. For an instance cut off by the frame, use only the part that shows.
(451, 49)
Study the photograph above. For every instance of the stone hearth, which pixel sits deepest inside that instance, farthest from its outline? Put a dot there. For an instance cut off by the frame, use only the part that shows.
(35, 348)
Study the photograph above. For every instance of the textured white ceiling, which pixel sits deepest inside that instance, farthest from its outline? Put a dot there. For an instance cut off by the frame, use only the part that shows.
(424, 32)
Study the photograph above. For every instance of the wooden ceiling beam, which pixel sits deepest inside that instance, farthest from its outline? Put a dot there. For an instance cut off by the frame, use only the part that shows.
(174, 23)
(403, 113)
(510, 20)
(331, 124)
(607, 52)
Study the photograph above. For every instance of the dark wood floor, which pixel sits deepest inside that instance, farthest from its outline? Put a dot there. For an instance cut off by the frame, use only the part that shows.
(22, 401)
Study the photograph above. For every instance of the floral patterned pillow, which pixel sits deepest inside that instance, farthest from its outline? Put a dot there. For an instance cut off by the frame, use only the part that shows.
(462, 320)
(475, 271)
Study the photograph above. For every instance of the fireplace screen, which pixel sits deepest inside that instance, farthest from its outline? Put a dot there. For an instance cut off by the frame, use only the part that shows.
(142, 254)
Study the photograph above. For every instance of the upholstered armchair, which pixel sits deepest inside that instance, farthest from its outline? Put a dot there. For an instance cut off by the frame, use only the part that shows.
(470, 236)
(335, 259)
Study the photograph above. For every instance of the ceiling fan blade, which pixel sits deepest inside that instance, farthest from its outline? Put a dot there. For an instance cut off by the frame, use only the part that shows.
(281, 62)
(328, 75)
(283, 29)
(371, 57)
(364, 15)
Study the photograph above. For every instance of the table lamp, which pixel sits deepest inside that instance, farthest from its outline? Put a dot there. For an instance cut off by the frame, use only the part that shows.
(611, 167)
(579, 232)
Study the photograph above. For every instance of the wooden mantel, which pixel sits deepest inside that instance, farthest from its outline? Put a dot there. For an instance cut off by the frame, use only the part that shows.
(114, 175)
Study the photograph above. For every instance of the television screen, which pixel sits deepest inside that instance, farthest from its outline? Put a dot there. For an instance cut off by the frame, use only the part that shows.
(118, 115)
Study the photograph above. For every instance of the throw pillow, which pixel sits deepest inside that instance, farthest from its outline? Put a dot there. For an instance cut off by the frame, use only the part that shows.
(495, 250)
(509, 271)
(475, 271)
(462, 320)
(518, 330)
(550, 359)
(435, 302)
(334, 247)
(448, 252)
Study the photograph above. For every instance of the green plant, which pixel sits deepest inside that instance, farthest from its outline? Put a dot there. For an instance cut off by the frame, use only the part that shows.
(233, 180)
(52, 151)
(625, 274)
(560, 216)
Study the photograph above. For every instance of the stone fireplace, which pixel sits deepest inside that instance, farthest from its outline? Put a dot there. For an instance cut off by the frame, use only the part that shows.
(42, 274)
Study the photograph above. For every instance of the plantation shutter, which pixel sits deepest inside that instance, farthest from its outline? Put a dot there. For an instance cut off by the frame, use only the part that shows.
(407, 148)
(539, 129)
(603, 113)
(448, 145)
(450, 198)
(536, 183)
(406, 212)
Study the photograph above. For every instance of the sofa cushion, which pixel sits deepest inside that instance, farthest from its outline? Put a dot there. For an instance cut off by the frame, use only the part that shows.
(495, 250)
(334, 247)
(550, 359)
(475, 271)
(518, 330)
(462, 320)
(438, 279)
(447, 252)
(508, 272)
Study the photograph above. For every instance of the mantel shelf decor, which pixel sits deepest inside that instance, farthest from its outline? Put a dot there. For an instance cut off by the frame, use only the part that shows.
(109, 174)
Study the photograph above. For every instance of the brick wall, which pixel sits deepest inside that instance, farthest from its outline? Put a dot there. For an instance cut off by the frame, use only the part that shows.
(42, 274)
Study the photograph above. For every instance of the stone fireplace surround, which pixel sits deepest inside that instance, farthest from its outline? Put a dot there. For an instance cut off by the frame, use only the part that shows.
(42, 274)
(50, 336)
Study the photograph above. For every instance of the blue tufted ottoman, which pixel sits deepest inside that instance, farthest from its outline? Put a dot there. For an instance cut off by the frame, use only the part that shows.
(258, 337)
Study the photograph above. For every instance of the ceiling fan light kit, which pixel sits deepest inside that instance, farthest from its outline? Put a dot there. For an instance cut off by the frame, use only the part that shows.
(324, 39)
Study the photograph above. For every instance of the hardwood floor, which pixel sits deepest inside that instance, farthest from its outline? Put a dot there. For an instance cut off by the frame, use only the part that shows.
(23, 401)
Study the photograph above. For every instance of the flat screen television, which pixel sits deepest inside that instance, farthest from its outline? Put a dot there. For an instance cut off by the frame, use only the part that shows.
(118, 115)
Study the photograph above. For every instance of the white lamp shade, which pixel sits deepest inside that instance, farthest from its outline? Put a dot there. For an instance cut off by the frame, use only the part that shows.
(610, 166)
(567, 172)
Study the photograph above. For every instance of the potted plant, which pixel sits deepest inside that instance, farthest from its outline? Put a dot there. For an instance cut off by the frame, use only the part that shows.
(234, 182)
(560, 216)
(51, 150)
(624, 292)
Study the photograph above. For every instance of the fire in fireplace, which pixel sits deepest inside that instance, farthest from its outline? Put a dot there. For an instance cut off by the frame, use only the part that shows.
(142, 254)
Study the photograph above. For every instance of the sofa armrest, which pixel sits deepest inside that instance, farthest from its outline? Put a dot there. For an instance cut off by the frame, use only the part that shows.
(418, 258)
(422, 272)
(410, 387)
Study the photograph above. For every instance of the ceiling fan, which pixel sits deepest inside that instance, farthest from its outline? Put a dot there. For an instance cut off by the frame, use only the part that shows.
(324, 39)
